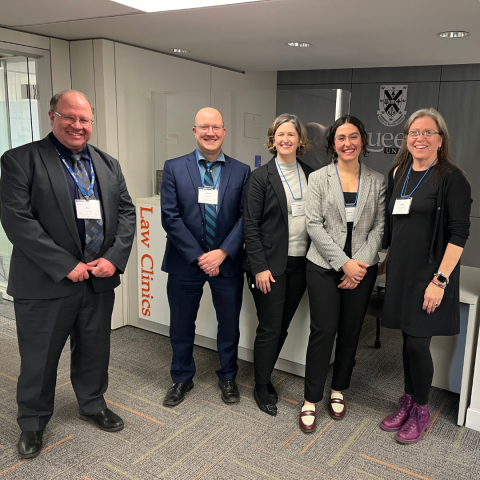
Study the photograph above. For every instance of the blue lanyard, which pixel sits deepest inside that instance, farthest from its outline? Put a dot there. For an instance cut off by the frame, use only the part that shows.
(299, 181)
(75, 178)
(408, 175)
(202, 175)
(358, 186)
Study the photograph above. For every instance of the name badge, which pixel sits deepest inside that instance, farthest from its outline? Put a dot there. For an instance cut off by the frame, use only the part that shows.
(298, 209)
(402, 206)
(350, 213)
(208, 195)
(88, 209)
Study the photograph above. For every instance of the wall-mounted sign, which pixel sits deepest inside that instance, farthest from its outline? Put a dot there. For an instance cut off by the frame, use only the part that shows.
(393, 104)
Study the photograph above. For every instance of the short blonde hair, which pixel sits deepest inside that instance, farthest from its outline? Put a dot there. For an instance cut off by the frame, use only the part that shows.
(297, 123)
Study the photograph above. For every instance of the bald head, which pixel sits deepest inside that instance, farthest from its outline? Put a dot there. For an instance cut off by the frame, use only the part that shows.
(209, 132)
(208, 113)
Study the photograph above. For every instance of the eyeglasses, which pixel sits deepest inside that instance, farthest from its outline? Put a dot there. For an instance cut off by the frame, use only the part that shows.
(85, 122)
(206, 128)
(425, 133)
(343, 138)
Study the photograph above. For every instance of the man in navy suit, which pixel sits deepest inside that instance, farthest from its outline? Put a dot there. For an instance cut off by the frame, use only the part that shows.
(202, 213)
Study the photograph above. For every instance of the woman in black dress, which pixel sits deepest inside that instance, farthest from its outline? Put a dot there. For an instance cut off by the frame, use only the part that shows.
(427, 226)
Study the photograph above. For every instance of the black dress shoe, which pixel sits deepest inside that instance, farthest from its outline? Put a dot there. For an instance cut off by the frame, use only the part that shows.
(272, 392)
(30, 444)
(270, 409)
(230, 393)
(176, 393)
(105, 420)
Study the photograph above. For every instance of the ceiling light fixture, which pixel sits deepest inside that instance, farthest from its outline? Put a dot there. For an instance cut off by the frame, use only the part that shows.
(178, 50)
(299, 44)
(453, 34)
(168, 5)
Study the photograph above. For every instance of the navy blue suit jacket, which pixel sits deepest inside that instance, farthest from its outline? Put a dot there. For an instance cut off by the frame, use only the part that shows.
(183, 218)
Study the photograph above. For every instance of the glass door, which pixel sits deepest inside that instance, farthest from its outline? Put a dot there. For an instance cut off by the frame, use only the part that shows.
(19, 123)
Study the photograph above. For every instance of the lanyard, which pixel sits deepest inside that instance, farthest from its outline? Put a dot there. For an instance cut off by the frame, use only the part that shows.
(406, 180)
(75, 178)
(202, 175)
(358, 186)
(299, 181)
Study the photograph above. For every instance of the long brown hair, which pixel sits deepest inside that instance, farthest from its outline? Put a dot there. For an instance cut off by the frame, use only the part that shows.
(444, 157)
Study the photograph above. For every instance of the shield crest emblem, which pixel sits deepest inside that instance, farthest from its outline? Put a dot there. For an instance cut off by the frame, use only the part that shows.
(393, 104)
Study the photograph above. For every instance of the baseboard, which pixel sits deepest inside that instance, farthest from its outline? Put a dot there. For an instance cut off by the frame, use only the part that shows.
(211, 343)
(473, 419)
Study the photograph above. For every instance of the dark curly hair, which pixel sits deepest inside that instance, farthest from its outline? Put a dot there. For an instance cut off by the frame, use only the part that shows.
(330, 146)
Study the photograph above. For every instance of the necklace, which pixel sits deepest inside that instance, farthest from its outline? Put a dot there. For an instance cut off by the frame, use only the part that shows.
(353, 178)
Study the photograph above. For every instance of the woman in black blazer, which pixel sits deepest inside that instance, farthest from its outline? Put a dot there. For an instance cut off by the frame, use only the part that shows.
(276, 243)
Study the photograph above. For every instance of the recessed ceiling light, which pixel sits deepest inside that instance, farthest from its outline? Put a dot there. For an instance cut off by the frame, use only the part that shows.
(167, 5)
(453, 34)
(299, 44)
(178, 50)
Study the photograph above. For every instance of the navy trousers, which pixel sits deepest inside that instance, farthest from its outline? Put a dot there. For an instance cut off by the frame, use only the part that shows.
(184, 295)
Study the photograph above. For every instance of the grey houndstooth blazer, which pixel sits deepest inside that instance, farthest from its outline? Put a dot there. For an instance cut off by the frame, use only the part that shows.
(327, 224)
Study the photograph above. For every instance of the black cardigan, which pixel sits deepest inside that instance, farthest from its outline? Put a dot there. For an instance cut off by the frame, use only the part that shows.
(452, 220)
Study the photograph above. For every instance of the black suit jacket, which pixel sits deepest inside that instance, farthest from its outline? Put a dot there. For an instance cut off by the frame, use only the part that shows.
(38, 217)
(265, 220)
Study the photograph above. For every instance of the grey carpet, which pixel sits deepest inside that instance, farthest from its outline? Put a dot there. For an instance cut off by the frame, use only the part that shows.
(204, 438)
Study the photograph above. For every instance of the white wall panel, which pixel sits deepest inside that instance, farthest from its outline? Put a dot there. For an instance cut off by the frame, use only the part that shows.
(60, 60)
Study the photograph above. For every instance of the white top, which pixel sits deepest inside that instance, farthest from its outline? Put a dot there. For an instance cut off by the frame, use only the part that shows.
(297, 227)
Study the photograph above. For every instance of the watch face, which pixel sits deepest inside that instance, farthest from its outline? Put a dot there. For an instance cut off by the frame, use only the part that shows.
(441, 278)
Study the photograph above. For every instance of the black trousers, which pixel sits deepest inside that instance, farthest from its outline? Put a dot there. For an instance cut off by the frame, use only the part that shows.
(417, 367)
(275, 311)
(333, 311)
(43, 327)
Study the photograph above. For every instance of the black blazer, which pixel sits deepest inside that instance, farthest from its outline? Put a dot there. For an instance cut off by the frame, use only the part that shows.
(38, 217)
(265, 220)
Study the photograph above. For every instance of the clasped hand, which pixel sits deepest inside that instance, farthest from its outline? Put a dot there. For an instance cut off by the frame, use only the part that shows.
(210, 262)
(101, 268)
(354, 271)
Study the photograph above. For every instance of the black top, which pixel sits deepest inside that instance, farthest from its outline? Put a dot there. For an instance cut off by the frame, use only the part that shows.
(409, 266)
(452, 217)
(349, 198)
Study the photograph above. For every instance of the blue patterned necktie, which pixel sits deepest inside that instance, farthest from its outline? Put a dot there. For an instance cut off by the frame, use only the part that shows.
(210, 210)
(93, 228)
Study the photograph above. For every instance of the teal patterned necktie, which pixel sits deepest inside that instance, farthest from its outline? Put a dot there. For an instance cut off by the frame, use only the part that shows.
(93, 228)
(210, 210)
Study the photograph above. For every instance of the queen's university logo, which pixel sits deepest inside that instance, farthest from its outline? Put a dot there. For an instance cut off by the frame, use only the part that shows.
(392, 103)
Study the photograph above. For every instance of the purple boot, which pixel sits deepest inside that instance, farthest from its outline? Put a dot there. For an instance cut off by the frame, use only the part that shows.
(416, 426)
(396, 420)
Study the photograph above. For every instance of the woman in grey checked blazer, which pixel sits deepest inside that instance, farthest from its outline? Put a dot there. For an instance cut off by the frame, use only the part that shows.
(345, 220)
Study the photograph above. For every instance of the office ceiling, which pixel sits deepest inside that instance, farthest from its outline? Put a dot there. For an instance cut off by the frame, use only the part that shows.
(251, 37)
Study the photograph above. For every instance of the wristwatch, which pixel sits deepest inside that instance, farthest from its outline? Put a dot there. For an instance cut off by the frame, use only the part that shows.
(441, 277)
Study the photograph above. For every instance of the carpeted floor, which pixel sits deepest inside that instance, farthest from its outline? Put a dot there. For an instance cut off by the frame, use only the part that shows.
(204, 438)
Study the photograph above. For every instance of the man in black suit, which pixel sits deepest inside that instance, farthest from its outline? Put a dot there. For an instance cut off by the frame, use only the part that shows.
(66, 210)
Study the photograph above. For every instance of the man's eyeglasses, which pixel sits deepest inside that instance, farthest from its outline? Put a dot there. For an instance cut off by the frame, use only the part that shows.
(206, 128)
(343, 138)
(425, 133)
(85, 122)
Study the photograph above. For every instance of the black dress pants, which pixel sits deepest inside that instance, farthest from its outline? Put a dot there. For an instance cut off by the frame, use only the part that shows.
(275, 310)
(333, 311)
(43, 327)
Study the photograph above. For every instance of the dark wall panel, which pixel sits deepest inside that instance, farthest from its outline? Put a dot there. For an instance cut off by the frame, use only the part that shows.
(397, 74)
(314, 77)
(459, 73)
(459, 104)
(364, 104)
